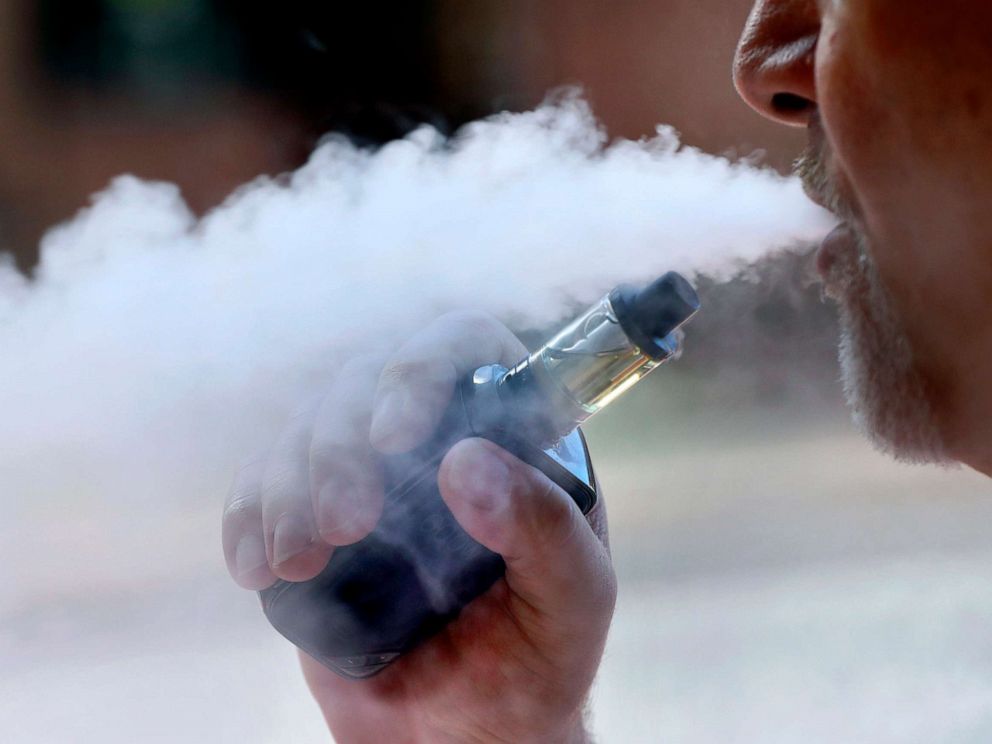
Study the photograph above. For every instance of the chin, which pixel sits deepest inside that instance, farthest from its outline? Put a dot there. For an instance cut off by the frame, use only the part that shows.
(884, 388)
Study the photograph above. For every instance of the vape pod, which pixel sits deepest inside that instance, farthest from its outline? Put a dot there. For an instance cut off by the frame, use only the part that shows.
(381, 596)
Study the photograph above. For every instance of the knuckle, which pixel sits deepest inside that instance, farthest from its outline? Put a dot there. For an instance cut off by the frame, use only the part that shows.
(278, 485)
(603, 596)
(399, 372)
(610, 587)
(473, 322)
(240, 507)
(420, 374)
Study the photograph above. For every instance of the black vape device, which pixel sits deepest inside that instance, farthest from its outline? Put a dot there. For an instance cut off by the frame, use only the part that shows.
(383, 595)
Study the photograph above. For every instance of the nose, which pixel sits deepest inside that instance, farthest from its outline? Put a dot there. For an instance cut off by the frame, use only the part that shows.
(774, 64)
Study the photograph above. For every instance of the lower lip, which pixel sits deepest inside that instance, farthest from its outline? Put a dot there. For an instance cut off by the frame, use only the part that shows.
(839, 240)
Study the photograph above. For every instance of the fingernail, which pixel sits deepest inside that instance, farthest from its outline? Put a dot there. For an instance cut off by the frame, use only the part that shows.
(290, 537)
(484, 481)
(338, 508)
(387, 419)
(249, 556)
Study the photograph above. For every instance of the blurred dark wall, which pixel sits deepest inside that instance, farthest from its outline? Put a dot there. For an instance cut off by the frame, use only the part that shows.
(210, 93)
(641, 62)
(86, 95)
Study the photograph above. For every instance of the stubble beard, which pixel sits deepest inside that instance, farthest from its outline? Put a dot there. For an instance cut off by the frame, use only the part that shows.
(883, 386)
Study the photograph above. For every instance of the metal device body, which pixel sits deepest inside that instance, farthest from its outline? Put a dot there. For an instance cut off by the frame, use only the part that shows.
(382, 596)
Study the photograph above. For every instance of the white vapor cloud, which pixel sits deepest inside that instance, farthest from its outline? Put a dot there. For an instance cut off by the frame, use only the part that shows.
(154, 349)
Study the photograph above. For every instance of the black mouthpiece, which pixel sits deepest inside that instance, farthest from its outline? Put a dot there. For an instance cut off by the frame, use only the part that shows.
(649, 314)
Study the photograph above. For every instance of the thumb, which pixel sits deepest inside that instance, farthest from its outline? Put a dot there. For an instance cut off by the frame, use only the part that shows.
(554, 560)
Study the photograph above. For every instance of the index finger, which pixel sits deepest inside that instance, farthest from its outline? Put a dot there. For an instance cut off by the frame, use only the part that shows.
(418, 381)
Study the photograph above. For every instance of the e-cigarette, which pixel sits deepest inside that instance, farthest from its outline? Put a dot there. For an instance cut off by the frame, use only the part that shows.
(382, 596)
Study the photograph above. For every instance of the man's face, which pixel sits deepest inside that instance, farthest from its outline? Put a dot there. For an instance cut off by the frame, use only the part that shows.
(897, 95)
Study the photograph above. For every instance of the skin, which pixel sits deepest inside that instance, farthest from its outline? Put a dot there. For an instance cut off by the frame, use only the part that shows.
(518, 663)
(898, 94)
(897, 99)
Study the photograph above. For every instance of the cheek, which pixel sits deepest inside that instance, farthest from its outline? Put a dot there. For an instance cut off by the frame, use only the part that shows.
(904, 112)
(867, 137)
(905, 89)
(906, 103)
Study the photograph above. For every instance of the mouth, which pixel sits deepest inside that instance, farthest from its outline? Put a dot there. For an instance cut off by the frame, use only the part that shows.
(821, 188)
(840, 241)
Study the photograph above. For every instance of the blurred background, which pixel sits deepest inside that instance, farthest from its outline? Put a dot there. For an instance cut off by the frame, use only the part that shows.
(210, 93)
(780, 582)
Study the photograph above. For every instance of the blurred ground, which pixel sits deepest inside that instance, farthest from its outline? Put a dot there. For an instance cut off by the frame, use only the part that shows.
(780, 582)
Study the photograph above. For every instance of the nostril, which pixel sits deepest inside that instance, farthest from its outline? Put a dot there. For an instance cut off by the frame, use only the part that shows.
(790, 104)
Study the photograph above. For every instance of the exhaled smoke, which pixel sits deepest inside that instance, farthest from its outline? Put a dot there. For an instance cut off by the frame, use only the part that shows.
(153, 349)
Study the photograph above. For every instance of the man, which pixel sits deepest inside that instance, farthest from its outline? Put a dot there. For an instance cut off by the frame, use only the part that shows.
(898, 103)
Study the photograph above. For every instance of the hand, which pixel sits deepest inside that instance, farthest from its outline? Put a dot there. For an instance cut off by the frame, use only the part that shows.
(517, 664)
